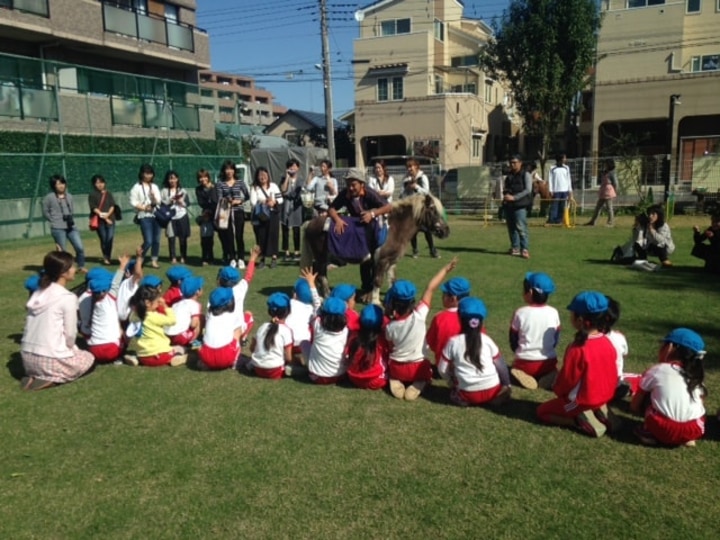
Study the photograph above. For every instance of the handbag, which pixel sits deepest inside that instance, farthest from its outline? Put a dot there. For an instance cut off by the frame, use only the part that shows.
(94, 223)
(223, 213)
(261, 213)
(163, 213)
(117, 213)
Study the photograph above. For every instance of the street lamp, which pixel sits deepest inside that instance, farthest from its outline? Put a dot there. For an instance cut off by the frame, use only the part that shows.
(674, 101)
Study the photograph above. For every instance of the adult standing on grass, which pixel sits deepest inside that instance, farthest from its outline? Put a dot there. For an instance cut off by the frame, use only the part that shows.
(517, 196)
(206, 197)
(102, 205)
(324, 187)
(144, 198)
(560, 184)
(59, 211)
(50, 356)
(416, 182)
(266, 200)
(607, 192)
(174, 195)
(292, 209)
(235, 191)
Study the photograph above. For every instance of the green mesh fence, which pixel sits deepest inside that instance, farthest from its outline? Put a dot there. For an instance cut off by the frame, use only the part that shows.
(22, 171)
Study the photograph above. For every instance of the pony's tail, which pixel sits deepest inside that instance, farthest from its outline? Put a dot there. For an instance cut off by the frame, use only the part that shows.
(306, 255)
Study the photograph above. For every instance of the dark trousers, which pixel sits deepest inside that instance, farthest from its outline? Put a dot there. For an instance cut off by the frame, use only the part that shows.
(657, 251)
(266, 235)
(207, 244)
(428, 239)
(233, 243)
(286, 240)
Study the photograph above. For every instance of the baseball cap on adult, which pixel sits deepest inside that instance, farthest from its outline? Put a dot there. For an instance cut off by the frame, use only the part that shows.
(589, 303)
(355, 174)
(687, 338)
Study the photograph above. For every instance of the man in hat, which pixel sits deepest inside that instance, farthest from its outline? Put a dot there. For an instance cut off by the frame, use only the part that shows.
(364, 204)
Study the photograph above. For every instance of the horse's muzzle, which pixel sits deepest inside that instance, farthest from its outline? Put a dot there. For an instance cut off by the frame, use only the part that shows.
(441, 230)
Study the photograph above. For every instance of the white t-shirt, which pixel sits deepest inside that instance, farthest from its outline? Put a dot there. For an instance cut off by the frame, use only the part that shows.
(538, 328)
(327, 351)
(105, 326)
(185, 310)
(669, 395)
(275, 356)
(406, 336)
(299, 320)
(219, 329)
(389, 185)
(85, 310)
(142, 194)
(126, 291)
(466, 374)
(621, 349)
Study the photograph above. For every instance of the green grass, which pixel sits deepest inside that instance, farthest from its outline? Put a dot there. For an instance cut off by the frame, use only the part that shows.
(174, 453)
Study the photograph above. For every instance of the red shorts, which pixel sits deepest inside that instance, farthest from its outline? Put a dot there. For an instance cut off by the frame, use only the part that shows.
(671, 432)
(535, 368)
(184, 339)
(220, 358)
(368, 383)
(162, 359)
(478, 397)
(269, 373)
(633, 381)
(317, 379)
(559, 407)
(107, 352)
(409, 372)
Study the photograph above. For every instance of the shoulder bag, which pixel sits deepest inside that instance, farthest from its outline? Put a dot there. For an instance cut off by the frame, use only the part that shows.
(94, 223)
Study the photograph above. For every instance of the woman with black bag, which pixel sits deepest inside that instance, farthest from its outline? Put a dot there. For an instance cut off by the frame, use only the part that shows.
(229, 188)
(102, 216)
(266, 200)
(175, 196)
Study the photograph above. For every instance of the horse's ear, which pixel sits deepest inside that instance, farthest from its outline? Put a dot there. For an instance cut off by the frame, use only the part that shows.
(429, 200)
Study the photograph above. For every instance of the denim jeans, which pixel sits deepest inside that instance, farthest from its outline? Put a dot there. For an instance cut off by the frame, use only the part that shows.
(516, 221)
(61, 236)
(106, 234)
(557, 208)
(150, 230)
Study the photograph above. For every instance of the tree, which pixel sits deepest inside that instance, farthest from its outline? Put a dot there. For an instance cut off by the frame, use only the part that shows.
(544, 49)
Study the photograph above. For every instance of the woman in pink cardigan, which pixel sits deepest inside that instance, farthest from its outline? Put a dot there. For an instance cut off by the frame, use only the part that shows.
(50, 356)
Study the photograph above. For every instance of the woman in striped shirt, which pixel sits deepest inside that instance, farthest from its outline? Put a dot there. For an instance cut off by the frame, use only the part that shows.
(236, 192)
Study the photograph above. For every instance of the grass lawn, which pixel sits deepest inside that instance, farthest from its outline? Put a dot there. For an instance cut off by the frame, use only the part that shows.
(174, 453)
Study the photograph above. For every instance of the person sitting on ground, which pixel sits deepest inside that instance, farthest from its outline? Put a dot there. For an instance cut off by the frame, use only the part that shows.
(346, 293)
(221, 342)
(367, 351)
(175, 274)
(652, 236)
(710, 251)
(326, 360)
(446, 324)
(188, 314)
(272, 346)
(106, 341)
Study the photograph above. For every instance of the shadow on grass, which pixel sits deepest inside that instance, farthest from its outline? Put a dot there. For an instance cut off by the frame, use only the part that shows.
(15, 366)
(32, 268)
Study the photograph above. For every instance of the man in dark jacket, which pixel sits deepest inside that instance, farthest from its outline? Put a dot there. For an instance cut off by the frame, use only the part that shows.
(517, 196)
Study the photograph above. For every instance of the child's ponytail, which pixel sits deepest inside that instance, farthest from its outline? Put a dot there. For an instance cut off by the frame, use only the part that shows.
(366, 341)
(590, 321)
(144, 294)
(472, 330)
(693, 370)
(277, 314)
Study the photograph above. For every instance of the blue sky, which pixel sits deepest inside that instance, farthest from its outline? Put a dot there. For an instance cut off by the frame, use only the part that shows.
(278, 43)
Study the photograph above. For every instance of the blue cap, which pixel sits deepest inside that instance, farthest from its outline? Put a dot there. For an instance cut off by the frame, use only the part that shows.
(371, 317)
(191, 285)
(687, 338)
(334, 306)
(32, 283)
(588, 303)
(457, 286)
(98, 271)
(402, 290)
(228, 274)
(302, 291)
(151, 281)
(541, 282)
(472, 308)
(278, 300)
(100, 283)
(177, 273)
(344, 292)
(220, 297)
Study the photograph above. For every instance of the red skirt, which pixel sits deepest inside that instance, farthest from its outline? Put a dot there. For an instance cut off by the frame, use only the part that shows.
(221, 358)
(409, 372)
(535, 368)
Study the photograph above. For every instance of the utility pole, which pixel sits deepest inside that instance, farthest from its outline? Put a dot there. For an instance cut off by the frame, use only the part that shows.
(327, 83)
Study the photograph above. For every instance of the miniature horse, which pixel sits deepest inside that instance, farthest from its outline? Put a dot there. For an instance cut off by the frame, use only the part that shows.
(407, 216)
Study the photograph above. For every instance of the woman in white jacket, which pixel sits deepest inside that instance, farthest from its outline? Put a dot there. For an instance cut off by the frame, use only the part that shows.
(50, 356)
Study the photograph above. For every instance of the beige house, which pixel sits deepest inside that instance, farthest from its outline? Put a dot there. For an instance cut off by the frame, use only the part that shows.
(418, 89)
(110, 68)
(660, 59)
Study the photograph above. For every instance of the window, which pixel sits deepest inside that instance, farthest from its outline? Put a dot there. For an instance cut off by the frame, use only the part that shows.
(439, 28)
(693, 6)
(382, 90)
(171, 13)
(397, 88)
(392, 89)
(708, 62)
(439, 84)
(395, 26)
(644, 3)
(477, 144)
(488, 92)
(463, 61)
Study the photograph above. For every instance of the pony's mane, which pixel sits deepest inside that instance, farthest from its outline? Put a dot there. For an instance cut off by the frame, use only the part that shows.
(416, 203)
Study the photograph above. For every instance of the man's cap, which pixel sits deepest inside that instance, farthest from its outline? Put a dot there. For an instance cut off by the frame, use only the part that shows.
(355, 174)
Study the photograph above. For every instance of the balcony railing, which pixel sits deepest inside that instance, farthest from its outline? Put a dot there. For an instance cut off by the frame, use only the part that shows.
(154, 114)
(147, 27)
(19, 102)
(37, 7)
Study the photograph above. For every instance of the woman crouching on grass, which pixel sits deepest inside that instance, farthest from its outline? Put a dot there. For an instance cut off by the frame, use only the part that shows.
(50, 356)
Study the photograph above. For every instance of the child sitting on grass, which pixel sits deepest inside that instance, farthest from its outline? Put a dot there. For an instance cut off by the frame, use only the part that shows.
(188, 313)
(229, 276)
(129, 286)
(346, 293)
(471, 361)
(175, 274)
(627, 383)
(153, 346)
(534, 334)
(587, 380)
(272, 346)
(446, 324)
(367, 349)
(221, 343)
(329, 337)
(674, 412)
(405, 334)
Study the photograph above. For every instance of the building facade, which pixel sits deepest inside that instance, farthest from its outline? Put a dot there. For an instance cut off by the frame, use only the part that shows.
(120, 67)
(657, 83)
(234, 99)
(418, 87)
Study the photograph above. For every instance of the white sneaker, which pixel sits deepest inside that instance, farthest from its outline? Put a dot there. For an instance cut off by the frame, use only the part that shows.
(233, 264)
(131, 360)
(241, 264)
(179, 360)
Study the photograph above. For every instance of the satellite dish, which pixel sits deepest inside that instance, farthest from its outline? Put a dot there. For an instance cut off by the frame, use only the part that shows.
(359, 15)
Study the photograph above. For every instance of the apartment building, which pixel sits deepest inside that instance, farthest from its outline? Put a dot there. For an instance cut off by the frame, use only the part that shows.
(418, 87)
(659, 60)
(110, 68)
(234, 99)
